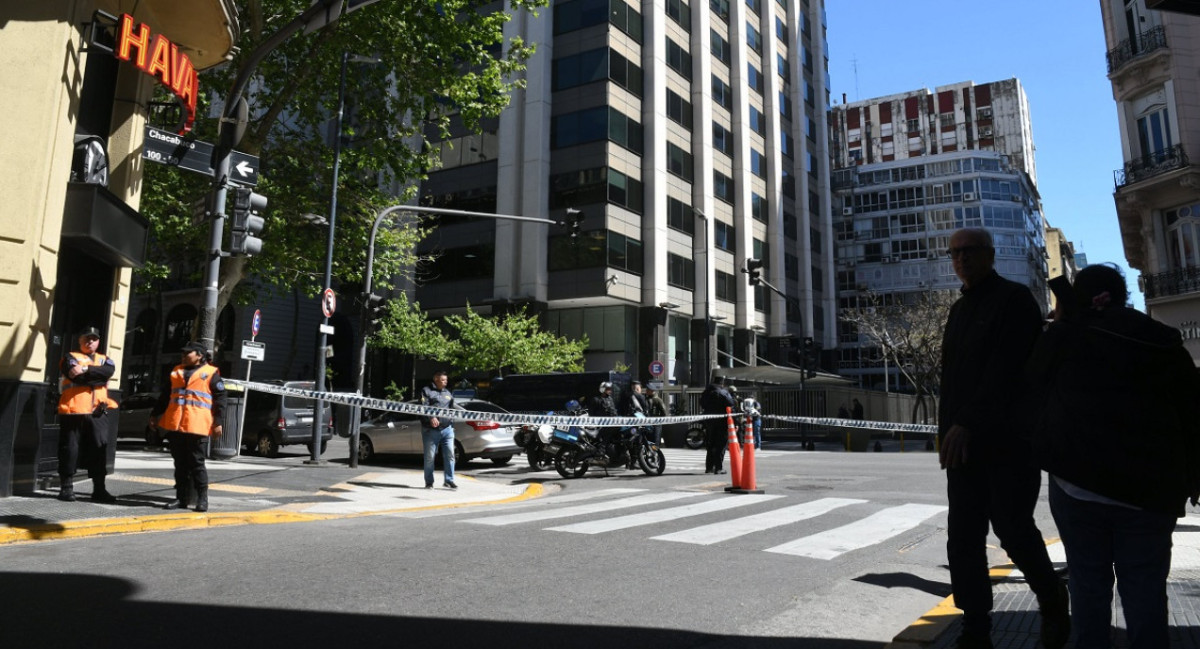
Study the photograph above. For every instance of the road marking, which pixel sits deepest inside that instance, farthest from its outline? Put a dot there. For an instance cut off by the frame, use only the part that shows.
(580, 510)
(873, 529)
(725, 530)
(539, 502)
(662, 515)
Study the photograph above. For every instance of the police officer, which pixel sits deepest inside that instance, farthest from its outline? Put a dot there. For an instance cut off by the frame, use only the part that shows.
(714, 401)
(189, 410)
(83, 416)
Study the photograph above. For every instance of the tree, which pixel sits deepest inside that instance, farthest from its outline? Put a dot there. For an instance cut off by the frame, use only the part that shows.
(514, 341)
(907, 329)
(441, 62)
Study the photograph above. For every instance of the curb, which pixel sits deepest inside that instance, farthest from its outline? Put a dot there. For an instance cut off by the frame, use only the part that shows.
(190, 521)
(928, 628)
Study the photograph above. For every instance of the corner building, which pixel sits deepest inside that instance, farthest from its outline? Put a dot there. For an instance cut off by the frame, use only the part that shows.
(690, 137)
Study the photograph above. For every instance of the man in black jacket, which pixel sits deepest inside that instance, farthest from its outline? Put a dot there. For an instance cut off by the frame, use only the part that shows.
(438, 432)
(989, 472)
(713, 401)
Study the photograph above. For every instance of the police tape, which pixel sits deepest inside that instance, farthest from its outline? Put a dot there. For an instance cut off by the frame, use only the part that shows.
(564, 421)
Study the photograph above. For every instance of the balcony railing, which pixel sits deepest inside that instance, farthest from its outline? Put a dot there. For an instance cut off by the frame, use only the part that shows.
(1148, 166)
(1132, 48)
(1173, 282)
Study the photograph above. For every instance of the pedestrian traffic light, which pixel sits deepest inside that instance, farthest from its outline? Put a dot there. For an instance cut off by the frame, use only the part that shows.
(376, 309)
(247, 222)
(754, 270)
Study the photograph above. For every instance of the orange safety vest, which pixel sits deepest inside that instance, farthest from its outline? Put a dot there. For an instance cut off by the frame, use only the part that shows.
(190, 408)
(82, 399)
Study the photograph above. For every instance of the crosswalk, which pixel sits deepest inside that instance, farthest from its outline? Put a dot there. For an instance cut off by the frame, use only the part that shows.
(741, 516)
(679, 460)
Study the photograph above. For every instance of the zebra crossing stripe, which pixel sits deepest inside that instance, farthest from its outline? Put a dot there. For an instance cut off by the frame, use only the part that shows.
(580, 510)
(538, 502)
(725, 530)
(662, 515)
(873, 529)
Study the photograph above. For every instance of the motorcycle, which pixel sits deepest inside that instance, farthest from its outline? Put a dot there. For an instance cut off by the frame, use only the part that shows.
(534, 438)
(578, 448)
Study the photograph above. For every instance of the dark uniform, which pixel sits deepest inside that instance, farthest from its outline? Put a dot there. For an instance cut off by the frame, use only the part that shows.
(83, 420)
(713, 401)
(189, 408)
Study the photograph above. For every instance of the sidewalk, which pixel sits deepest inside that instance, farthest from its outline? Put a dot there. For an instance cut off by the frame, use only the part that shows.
(244, 491)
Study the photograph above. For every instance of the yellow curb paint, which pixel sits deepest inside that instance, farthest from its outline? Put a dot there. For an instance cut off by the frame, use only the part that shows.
(190, 520)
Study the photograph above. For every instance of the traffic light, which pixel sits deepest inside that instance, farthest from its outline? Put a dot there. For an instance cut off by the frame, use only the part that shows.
(247, 222)
(808, 352)
(754, 270)
(576, 217)
(376, 308)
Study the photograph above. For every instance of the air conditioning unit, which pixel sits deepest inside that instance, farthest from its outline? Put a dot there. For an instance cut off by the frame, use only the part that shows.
(968, 197)
(1016, 198)
(985, 131)
(847, 211)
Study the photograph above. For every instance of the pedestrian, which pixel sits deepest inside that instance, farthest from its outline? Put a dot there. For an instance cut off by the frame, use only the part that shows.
(753, 410)
(843, 412)
(714, 401)
(636, 402)
(990, 475)
(190, 410)
(438, 432)
(658, 408)
(604, 405)
(857, 410)
(83, 433)
(1119, 434)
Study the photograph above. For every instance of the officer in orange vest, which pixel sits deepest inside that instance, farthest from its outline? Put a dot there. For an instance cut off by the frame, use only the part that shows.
(83, 416)
(189, 410)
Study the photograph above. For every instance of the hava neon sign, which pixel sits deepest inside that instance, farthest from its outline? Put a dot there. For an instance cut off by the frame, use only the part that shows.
(161, 59)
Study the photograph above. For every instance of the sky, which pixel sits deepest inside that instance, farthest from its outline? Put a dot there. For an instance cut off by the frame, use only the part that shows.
(1055, 48)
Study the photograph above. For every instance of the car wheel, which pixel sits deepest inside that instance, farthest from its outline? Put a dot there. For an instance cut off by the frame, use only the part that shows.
(501, 461)
(695, 437)
(366, 450)
(266, 446)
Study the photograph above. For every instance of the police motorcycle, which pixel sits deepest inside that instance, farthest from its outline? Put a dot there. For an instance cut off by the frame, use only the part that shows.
(534, 438)
(578, 448)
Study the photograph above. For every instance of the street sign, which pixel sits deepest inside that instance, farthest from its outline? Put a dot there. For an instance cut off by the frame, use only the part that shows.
(326, 329)
(252, 351)
(255, 323)
(656, 368)
(328, 303)
(194, 155)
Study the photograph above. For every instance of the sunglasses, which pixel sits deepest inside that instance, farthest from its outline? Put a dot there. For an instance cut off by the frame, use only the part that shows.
(955, 253)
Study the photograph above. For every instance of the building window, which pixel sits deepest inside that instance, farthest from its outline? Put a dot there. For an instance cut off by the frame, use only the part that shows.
(758, 208)
(597, 185)
(596, 65)
(758, 121)
(782, 67)
(679, 60)
(809, 94)
(718, 46)
(758, 164)
(626, 74)
(679, 110)
(754, 78)
(753, 38)
(624, 18)
(787, 184)
(599, 248)
(780, 29)
(724, 236)
(726, 285)
(681, 272)
(1154, 134)
(680, 216)
(680, 12)
(720, 8)
(785, 104)
(596, 124)
(578, 14)
(789, 225)
(624, 253)
(787, 145)
(754, 5)
(722, 93)
(723, 187)
(679, 162)
(722, 139)
(791, 267)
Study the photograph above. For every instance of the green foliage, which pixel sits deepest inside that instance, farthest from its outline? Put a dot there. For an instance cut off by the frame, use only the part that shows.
(394, 392)
(513, 342)
(408, 329)
(443, 62)
(620, 367)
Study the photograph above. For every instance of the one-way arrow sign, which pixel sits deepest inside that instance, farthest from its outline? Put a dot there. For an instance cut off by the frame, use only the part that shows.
(170, 149)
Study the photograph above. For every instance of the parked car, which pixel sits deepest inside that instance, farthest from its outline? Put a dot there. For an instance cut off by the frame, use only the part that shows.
(274, 420)
(133, 419)
(400, 433)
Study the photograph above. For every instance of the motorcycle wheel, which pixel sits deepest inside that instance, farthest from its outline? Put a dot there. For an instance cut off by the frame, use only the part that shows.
(539, 461)
(695, 437)
(567, 466)
(652, 460)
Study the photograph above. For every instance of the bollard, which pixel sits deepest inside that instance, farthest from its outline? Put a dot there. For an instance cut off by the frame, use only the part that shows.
(735, 452)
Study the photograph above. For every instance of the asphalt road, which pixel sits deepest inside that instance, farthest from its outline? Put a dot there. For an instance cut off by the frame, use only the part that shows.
(600, 561)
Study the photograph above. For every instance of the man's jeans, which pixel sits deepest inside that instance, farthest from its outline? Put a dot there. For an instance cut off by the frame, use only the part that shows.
(432, 438)
(1099, 538)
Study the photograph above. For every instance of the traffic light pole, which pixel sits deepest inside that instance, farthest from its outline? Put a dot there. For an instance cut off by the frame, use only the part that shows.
(757, 279)
(355, 411)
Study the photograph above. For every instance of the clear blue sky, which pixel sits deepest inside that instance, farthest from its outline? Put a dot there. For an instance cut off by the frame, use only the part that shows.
(1055, 48)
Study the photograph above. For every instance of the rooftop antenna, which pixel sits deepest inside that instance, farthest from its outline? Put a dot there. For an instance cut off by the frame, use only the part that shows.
(854, 62)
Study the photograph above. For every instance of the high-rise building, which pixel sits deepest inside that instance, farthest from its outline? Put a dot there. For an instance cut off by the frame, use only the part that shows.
(687, 138)
(912, 168)
(1152, 64)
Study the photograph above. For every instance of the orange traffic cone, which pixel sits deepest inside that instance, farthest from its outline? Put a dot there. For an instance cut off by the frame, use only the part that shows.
(735, 452)
(748, 474)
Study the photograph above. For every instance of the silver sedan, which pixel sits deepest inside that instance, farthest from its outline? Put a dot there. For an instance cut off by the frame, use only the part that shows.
(399, 433)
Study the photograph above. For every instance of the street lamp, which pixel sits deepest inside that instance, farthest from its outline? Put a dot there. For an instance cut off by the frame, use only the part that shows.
(323, 340)
(355, 416)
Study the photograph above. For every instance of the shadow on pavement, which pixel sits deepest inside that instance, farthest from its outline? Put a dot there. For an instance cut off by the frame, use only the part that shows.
(48, 610)
(905, 580)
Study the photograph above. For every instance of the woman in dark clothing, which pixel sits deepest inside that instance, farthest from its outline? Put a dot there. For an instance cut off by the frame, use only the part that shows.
(1119, 433)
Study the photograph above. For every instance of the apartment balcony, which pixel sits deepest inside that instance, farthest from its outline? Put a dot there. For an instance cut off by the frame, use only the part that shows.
(845, 178)
(1132, 48)
(1181, 281)
(1149, 166)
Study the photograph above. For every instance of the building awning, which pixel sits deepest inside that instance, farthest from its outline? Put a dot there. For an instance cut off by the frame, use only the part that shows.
(774, 375)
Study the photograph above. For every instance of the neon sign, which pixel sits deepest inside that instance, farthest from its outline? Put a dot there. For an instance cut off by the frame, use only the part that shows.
(161, 59)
